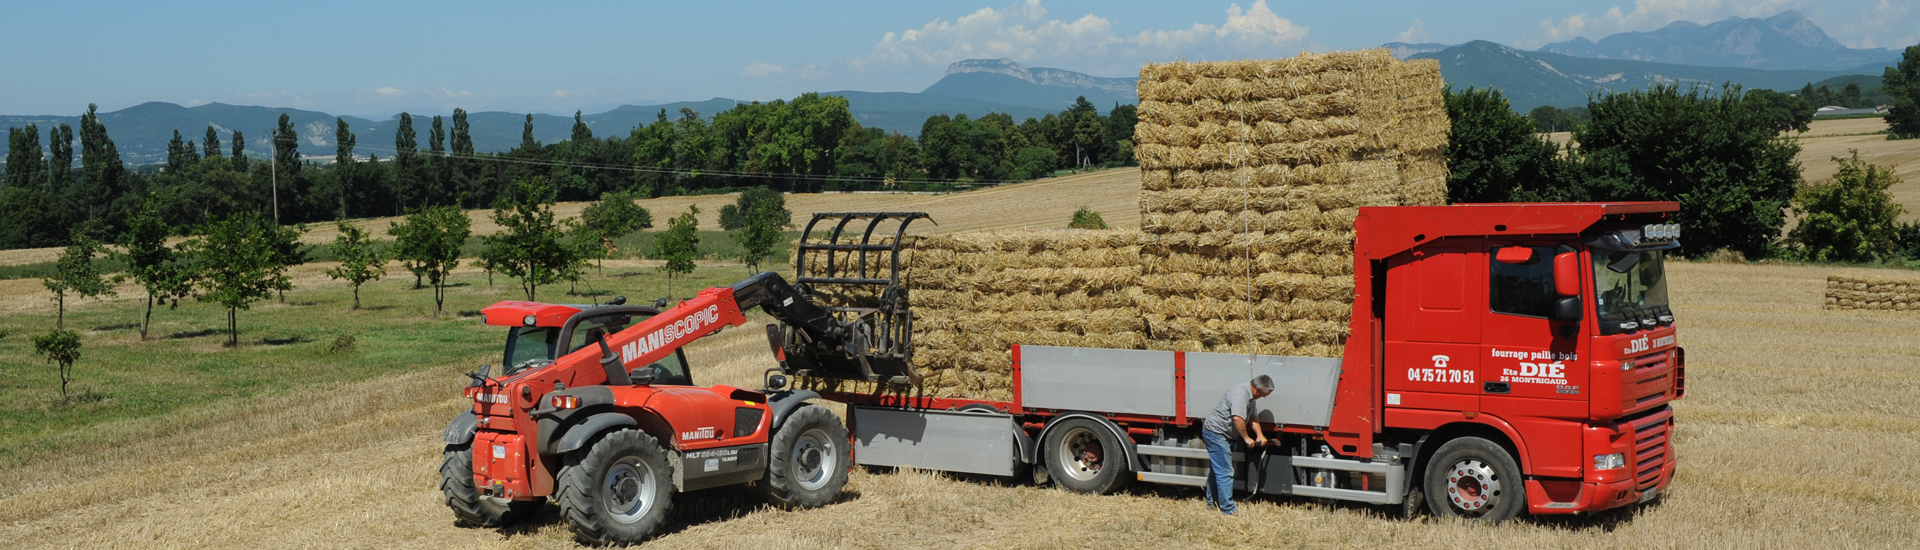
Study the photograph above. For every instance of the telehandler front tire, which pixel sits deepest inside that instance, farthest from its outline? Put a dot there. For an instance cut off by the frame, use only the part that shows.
(617, 491)
(469, 507)
(807, 465)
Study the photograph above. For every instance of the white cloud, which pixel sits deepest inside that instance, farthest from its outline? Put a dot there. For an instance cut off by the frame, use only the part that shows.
(390, 91)
(1023, 32)
(763, 70)
(565, 94)
(1415, 34)
(1648, 15)
(1883, 24)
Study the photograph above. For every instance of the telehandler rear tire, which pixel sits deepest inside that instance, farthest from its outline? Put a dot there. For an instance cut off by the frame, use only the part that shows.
(807, 466)
(619, 490)
(469, 507)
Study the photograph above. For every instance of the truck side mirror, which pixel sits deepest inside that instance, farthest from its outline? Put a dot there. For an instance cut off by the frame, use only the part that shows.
(1566, 274)
(1568, 309)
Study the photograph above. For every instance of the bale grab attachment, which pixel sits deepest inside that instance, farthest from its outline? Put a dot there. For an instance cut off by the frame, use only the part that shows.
(879, 344)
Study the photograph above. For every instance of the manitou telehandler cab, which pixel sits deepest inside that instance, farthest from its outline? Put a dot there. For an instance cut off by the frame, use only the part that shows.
(596, 408)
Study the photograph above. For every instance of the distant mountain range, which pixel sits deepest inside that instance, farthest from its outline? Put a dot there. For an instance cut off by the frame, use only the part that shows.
(1531, 79)
(1787, 41)
(975, 87)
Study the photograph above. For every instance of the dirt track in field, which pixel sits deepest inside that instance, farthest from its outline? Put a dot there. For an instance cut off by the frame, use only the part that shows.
(1796, 432)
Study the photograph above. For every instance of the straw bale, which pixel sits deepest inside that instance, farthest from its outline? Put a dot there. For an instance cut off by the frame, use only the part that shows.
(1882, 293)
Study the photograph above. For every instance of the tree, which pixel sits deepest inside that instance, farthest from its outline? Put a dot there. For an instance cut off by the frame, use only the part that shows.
(239, 153)
(360, 262)
(760, 234)
(75, 273)
(531, 246)
(287, 252)
(615, 216)
(1902, 83)
(678, 245)
(734, 216)
(60, 347)
(235, 266)
(211, 144)
(1783, 112)
(429, 243)
(406, 178)
(24, 167)
(101, 171)
(343, 163)
(1086, 218)
(466, 180)
(1850, 218)
(1494, 155)
(1723, 162)
(286, 160)
(150, 262)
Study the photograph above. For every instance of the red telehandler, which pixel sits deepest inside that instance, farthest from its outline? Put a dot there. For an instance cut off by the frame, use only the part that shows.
(596, 406)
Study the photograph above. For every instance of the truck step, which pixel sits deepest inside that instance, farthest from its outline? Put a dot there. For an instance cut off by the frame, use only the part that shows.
(1174, 479)
(1180, 452)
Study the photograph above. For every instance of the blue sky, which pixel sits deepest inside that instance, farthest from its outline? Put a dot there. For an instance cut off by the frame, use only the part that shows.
(378, 58)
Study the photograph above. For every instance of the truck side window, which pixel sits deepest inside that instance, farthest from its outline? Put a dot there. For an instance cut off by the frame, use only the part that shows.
(1523, 289)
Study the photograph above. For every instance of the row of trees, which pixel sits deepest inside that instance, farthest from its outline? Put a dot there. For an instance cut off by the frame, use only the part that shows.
(809, 144)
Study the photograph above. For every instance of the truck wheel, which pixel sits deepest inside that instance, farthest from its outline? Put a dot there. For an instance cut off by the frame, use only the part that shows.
(1083, 457)
(1475, 480)
(619, 490)
(469, 506)
(808, 463)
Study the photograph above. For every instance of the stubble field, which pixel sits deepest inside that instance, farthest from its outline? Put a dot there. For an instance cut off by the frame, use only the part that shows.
(1798, 431)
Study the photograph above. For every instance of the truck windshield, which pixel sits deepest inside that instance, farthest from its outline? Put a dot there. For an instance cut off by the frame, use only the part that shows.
(1629, 283)
(528, 346)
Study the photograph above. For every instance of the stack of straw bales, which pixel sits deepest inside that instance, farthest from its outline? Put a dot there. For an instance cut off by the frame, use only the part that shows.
(975, 294)
(1252, 173)
(1850, 292)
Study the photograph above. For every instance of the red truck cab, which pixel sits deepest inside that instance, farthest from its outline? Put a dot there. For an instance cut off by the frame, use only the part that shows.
(1543, 328)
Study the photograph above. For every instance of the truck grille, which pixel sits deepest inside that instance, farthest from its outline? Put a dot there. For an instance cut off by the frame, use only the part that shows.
(1648, 384)
(1652, 447)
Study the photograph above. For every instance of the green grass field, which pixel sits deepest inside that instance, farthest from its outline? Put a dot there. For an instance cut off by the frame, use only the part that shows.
(123, 386)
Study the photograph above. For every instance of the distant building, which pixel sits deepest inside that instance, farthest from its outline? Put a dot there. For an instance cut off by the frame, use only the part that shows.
(1833, 110)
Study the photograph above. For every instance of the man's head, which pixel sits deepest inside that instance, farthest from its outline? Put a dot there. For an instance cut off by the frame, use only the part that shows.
(1262, 386)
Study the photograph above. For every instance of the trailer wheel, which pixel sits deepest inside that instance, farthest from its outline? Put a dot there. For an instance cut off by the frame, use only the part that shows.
(1475, 480)
(619, 490)
(469, 506)
(1083, 457)
(808, 463)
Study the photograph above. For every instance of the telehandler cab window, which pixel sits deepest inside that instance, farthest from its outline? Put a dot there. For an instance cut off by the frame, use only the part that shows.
(1524, 288)
(529, 346)
(612, 324)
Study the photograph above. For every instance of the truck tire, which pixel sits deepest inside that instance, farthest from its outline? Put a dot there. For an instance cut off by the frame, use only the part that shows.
(1475, 480)
(618, 490)
(469, 507)
(807, 466)
(1084, 457)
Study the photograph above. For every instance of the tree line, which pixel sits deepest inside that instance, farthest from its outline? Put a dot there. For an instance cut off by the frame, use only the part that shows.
(811, 143)
(1721, 153)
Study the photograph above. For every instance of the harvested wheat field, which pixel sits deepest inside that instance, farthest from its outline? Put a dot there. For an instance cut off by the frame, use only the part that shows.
(1797, 432)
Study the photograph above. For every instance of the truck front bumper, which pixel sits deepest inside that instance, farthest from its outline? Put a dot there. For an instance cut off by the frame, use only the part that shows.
(1551, 496)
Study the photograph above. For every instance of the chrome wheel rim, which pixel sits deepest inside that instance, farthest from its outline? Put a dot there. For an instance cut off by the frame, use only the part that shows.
(1081, 454)
(1472, 486)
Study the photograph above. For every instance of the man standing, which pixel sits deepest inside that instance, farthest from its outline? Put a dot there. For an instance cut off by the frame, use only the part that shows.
(1234, 415)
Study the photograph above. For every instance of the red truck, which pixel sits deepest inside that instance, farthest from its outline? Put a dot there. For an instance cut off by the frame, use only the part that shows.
(1502, 358)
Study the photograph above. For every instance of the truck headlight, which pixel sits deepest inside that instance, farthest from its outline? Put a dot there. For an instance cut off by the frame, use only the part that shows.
(1609, 462)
